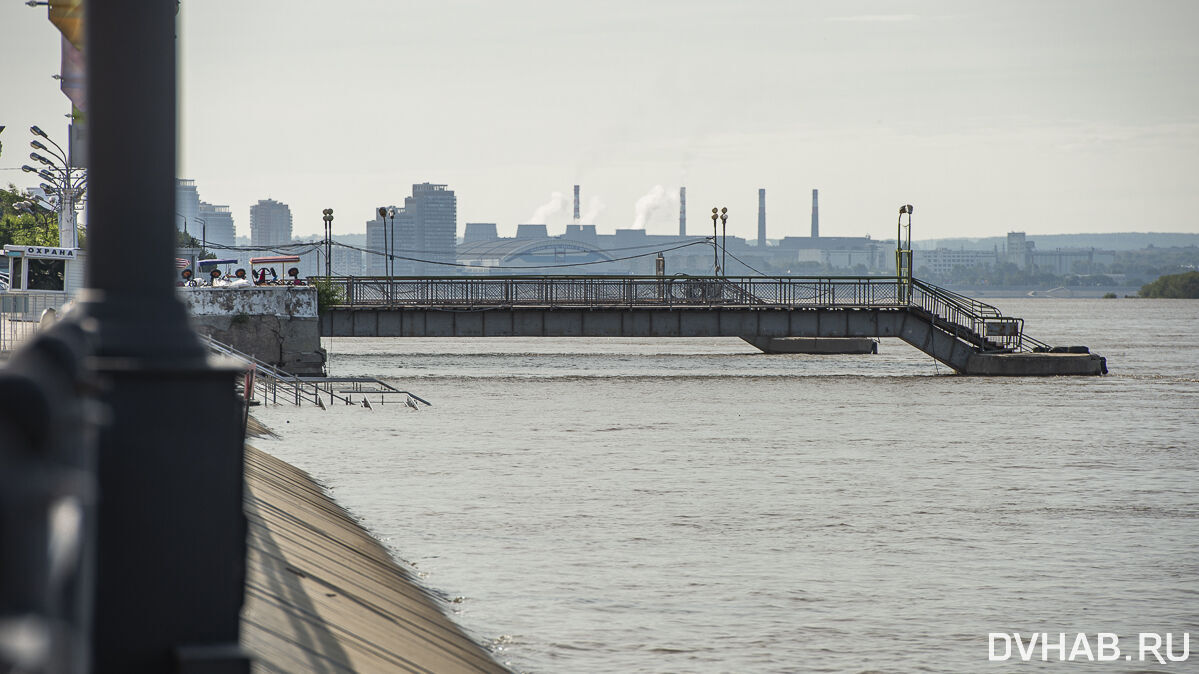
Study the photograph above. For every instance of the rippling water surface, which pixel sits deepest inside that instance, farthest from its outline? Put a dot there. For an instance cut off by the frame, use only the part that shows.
(595, 505)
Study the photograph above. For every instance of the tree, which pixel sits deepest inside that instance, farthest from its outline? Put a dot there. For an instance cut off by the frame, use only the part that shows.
(1177, 286)
(23, 228)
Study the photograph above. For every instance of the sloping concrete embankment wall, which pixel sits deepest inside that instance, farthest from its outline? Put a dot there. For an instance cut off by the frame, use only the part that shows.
(276, 324)
(322, 595)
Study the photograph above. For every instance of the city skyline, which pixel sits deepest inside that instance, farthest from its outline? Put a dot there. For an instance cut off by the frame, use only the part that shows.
(1048, 118)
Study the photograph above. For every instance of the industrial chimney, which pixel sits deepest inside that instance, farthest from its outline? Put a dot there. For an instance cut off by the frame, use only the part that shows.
(576, 204)
(682, 211)
(815, 217)
(762, 218)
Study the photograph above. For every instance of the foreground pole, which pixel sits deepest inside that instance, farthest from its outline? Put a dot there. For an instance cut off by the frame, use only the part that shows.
(170, 552)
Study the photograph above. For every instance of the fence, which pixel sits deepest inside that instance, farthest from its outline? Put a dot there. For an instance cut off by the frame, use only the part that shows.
(20, 314)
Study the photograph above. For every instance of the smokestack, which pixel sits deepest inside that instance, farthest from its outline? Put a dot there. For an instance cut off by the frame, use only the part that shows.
(762, 218)
(682, 211)
(815, 217)
(576, 204)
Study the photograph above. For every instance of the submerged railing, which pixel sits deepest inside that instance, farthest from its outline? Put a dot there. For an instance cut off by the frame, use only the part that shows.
(976, 322)
(276, 385)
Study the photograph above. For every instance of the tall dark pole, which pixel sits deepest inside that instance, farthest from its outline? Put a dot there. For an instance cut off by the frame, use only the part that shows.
(724, 241)
(327, 216)
(715, 244)
(386, 248)
(170, 530)
(390, 254)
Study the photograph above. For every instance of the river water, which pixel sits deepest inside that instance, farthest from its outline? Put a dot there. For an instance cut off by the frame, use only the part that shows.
(591, 505)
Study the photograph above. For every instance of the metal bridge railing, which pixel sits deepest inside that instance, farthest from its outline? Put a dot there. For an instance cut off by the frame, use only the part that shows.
(624, 291)
(976, 322)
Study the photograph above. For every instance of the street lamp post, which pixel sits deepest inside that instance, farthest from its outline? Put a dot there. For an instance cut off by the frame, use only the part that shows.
(391, 213)
(386, 248)
(67, 181)
(715, 252)
(327, 216)
(724, 240)
(203, 235)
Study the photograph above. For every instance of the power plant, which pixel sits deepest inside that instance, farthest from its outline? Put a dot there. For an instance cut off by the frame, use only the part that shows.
(631, 249)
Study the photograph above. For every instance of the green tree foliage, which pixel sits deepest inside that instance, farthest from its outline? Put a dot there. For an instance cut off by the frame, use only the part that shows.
(23, 229)
(327, 294)
(1177, 286)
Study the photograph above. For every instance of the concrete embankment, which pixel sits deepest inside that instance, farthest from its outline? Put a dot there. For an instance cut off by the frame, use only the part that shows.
(322, 595)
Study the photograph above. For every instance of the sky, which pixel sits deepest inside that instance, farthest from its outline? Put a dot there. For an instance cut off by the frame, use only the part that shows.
(1045, 116)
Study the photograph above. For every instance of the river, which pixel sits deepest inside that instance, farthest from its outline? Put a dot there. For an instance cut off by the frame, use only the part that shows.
(605, 505)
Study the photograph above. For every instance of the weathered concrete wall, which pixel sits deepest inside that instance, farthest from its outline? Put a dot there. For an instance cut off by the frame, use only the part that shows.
(276, 324)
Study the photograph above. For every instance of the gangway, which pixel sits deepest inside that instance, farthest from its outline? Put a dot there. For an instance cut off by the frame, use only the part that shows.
(277, 385)
(970, 336)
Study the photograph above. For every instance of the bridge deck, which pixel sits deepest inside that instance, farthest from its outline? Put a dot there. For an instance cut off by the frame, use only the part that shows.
(963, 333)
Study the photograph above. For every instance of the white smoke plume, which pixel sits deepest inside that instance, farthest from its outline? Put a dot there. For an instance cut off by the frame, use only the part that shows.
(594, 208)
(653, 200)
(557, 203)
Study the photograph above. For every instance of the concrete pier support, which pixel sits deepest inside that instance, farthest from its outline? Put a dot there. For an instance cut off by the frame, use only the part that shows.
(1036, 364)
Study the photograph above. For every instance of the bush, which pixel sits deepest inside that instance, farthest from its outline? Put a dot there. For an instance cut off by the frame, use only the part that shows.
(328, 294)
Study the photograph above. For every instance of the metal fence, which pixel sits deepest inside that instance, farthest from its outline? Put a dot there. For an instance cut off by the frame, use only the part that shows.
(20, 314)
(619, 291)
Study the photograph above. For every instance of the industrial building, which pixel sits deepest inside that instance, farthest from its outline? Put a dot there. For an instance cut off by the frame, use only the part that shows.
(632, 251)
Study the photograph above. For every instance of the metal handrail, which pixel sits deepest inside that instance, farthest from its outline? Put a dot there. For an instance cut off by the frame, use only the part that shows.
(608, 291)
(298, 384)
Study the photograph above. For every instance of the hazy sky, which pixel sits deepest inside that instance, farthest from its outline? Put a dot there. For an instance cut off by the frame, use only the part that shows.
(1041, 116)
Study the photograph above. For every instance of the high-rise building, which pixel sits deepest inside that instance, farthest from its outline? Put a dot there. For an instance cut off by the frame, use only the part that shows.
(430, 229)
(423, 233)
(347, 261)
(270, 223)
(187, 206)
(1019, 249)
(216, 225)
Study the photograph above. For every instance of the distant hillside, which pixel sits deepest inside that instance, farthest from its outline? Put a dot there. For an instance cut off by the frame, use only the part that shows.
(1117, 241)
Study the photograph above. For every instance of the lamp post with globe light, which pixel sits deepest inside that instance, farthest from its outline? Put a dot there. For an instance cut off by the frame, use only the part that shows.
(327, 216)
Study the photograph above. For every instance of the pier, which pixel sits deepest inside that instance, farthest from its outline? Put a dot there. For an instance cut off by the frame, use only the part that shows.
(969, 336)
